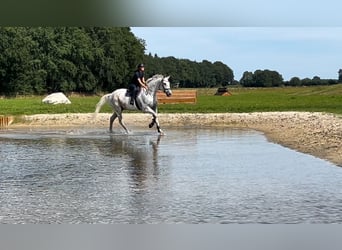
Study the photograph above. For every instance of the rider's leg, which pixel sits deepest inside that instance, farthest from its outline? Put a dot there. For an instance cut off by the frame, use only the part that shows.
(136, 93)
(132, 89)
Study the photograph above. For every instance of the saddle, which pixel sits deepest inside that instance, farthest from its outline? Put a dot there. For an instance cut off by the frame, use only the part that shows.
(129, 93)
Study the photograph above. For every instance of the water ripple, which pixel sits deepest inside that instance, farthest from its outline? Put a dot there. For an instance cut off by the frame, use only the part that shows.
(188, 176)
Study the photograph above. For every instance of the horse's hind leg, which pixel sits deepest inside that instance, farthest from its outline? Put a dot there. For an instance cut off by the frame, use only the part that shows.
(119, 115)
(112, 119)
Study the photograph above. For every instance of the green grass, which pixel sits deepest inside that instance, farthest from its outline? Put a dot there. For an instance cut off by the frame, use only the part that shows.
(318, 98)
(34, 105)
(322, 99)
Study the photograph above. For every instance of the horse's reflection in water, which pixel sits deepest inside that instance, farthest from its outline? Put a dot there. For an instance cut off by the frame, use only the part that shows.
(140, 155)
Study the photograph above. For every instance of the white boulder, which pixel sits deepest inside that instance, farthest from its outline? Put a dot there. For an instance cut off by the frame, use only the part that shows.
(56, 98)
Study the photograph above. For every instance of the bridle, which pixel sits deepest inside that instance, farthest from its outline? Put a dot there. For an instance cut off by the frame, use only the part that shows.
(164, 88)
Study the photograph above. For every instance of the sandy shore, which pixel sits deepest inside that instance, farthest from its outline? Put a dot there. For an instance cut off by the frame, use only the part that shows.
(317, 134)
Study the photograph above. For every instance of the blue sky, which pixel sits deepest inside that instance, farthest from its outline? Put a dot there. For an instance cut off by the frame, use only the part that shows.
(292, 51)
(236, 12)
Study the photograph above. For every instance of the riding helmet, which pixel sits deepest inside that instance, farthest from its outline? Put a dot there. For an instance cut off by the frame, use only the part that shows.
(141, 65)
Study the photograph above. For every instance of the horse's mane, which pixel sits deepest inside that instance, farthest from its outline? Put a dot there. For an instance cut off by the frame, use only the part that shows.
(154, 77)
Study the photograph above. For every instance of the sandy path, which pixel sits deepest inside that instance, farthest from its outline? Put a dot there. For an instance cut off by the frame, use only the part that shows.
(317, 134)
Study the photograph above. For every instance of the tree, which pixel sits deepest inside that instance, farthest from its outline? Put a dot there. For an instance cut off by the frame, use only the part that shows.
(17, 60)
(267, 78)
(247, 79)
(316, 80)
(306, 82)
(48, 59)
(261, 78)
(223, 74)
(295, 81)
(188, 73)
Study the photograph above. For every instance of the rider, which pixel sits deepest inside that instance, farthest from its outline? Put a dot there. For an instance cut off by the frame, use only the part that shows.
(137, 82)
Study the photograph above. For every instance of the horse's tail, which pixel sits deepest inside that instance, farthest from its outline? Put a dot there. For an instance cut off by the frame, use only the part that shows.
(100, 104)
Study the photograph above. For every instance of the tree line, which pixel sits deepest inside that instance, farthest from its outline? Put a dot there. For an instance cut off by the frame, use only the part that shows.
(191, 74)
(270, 78)
(40, 60)
(43, 60)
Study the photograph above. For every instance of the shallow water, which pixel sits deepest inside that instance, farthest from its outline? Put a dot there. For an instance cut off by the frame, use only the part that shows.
(187, 176)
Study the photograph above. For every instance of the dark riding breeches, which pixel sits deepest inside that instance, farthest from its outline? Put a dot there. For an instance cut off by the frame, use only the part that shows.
(134, 90)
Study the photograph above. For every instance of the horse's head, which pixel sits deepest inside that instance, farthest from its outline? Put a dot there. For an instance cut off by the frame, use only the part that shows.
(165, 86)
(159, 82)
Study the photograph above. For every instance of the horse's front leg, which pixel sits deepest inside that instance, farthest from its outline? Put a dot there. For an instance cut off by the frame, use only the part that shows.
(160, 131)
(152, 122)
(154, 119)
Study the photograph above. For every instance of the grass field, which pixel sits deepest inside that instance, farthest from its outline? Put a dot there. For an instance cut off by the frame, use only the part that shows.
(318, 98)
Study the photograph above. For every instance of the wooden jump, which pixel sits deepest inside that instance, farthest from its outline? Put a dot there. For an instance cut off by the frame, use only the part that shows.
(5, 121)
(223, 92)
(178, 96)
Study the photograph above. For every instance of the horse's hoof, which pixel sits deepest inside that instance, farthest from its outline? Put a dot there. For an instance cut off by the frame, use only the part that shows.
(161, 132)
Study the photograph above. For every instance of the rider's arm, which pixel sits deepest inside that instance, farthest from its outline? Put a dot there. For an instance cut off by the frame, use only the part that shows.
(142, 83)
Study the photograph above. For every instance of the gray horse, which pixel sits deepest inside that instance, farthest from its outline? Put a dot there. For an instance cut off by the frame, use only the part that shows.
(146, 101)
